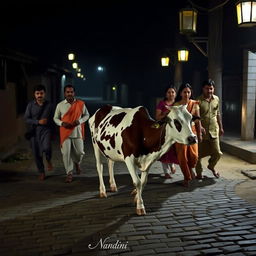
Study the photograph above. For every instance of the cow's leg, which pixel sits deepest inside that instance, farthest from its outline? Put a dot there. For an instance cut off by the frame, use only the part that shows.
(99, 166)
(112, 181)
(144, 179)
(140, 209)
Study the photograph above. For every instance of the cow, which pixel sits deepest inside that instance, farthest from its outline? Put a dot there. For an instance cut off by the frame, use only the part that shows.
(130, 135)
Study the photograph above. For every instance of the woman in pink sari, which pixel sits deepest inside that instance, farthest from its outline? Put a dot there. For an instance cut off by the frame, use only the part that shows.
(163, 108)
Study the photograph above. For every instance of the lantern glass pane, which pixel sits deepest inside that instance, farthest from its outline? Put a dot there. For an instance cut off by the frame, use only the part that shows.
(165, 61)
(187, 20)
(238, 11)
(254, 12)
(195, 19)
(183, 55)
(71, 56)
(246, 11)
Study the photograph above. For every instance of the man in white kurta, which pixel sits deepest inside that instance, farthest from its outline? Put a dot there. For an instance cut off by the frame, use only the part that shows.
(70, 115)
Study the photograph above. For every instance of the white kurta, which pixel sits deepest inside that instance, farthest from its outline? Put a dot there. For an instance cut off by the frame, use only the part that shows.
(72, 148)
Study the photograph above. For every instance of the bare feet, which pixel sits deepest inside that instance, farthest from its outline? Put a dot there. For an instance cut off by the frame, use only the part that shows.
(69, 178)
(49, 166)
(41, 176)
(214, 172)
(193, 176)
(199, 176)
(186, 183)
(167, 176)
(173, 169)
(78, 169)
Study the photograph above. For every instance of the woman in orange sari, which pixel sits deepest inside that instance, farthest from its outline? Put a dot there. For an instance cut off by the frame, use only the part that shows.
(188, 155)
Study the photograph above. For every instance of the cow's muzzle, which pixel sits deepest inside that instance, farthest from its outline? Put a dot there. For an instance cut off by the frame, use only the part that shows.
(192, 140)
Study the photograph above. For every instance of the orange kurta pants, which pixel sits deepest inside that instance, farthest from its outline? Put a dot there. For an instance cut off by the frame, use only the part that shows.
(187, 158)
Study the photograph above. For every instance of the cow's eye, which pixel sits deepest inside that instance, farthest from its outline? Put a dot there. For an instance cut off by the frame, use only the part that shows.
(177, 125)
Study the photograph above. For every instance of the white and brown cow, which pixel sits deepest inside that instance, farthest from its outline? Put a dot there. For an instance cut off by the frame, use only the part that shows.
(130, 135)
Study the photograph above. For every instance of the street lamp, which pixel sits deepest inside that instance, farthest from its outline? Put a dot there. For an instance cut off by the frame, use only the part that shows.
(74, 65)
(183, 55)
(165, 61)
(246, 13)
(188, 20)
(71, 56)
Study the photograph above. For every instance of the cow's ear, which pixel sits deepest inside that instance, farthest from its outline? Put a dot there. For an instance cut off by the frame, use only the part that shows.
(194, 118)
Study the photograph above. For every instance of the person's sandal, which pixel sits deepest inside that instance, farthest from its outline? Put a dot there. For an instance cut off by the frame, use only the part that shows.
(69, 178)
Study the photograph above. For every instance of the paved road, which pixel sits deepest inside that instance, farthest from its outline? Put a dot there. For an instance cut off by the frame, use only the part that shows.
(55, 218)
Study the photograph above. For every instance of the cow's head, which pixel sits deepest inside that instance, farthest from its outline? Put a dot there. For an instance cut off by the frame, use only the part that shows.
(179, 119)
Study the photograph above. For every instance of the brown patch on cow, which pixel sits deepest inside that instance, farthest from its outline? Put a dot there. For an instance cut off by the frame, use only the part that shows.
(140, 138)
(101, 147)
(105, 123)
(108, 148)
(112, 141)
(117, 119)
(103, 135)
(101, 114)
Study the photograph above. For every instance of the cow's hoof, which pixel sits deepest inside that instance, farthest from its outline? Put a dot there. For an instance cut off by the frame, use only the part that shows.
(103, 194)
(134, 192)
(113, 188)
(141, 212)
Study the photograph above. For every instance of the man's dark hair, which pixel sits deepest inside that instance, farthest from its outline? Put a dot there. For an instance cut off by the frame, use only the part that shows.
(39, 87)
(208, 82)
(69, 86)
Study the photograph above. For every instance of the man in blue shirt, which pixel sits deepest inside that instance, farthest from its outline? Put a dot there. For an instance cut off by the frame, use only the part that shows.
(38, 116)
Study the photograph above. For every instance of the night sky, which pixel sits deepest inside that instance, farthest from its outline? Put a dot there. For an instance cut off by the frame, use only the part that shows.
(126, 37)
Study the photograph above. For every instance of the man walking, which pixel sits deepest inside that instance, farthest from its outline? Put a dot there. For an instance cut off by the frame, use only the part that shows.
(71, 115)
(212, 128)
(38, 116)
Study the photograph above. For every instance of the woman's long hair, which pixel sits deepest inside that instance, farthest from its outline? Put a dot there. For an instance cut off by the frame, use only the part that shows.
(182, 87)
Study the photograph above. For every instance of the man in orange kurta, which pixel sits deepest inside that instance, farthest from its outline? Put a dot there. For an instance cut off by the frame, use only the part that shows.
(70, 115)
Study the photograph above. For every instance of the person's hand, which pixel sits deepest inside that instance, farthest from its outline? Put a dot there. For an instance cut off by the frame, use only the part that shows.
(200, 138)
(75, 123)
(221, 132)
(203, 130)
(66, 125)
(43, 121)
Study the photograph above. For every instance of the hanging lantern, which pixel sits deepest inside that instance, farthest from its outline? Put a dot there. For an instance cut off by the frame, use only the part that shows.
(165, 61)
(71, 56)
(246, 13)
(183, 55)
(75, 65)
(188, 20)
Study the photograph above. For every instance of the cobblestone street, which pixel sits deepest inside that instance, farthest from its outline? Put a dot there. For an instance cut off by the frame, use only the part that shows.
(55, 218)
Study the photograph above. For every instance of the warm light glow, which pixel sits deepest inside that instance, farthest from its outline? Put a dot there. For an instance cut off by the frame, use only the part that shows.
(165, 61)
(79, 70)
(75, 65)
(82, 76)
(78, 74)
(100, 68)
(246, 13)
(188, 20)
(71, 56)
(183, 55)
(113, 88)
